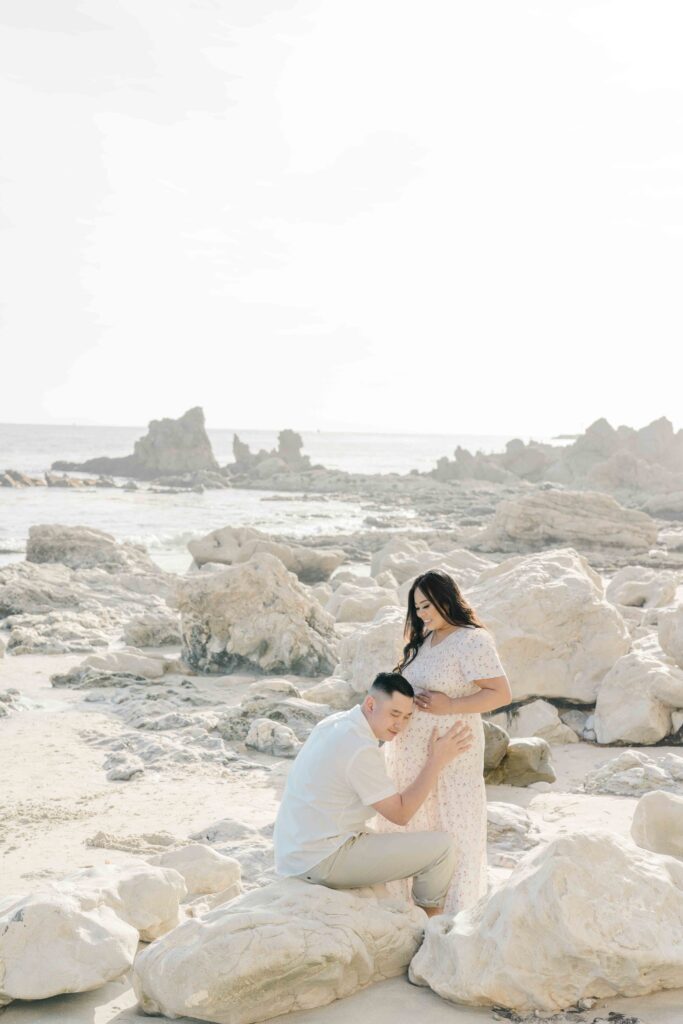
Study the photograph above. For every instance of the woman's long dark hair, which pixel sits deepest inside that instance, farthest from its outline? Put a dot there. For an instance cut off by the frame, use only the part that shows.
(446, 596)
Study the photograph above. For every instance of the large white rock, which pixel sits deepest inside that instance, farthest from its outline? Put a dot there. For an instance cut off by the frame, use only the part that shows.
(143, 895)
(509, 826)
(636, 699)
(556, 634)
(82, 547)
(372, 648)
(336, 692)
(406, 559)
(53, 609)
(633, 773)
(527, 760)
(233, 545)
(254, 615)
(576, 518)
(658, 823)
(670, 633)
(50, 944)
(288, 946)
(351, 603)
(591, 897)
(640, 587)
(272, 738)
(203, 869)
(539, 718)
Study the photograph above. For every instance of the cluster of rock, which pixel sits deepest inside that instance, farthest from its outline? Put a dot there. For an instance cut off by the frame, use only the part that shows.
(644, 462)
(92, 921)
(79, 590)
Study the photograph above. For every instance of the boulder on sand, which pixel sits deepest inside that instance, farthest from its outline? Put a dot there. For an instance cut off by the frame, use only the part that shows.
(287, 946)
(658, 823)
(556, 634)
(50, 944)
(591, 896)
(636, 699)
(255, 615)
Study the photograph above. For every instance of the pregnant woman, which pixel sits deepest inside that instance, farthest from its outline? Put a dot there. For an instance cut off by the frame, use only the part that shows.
(451, 661)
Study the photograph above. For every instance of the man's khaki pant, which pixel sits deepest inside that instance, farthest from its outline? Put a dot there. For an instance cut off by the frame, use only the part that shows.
(426, 857)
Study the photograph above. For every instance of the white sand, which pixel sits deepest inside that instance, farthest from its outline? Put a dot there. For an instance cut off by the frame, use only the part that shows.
(54, 796)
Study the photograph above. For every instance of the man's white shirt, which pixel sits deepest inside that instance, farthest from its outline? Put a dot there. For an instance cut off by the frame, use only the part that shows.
(337, 776)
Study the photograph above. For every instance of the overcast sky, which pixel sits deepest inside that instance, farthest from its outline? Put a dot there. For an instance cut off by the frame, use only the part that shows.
(382, 215)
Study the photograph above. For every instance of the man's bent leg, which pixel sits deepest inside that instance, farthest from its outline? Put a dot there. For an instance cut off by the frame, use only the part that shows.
(427, 857)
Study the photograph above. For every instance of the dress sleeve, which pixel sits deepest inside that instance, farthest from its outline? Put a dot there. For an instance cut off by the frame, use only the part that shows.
(481, 660)
(367, 775)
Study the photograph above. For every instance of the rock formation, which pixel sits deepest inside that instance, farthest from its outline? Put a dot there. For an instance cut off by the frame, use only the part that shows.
(556, 634)
(591, 897)
(287, 946)
(254, 615)
(232, 545)
(168, 447)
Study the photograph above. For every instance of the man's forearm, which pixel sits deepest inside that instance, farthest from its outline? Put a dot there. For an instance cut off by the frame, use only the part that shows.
(414, 795)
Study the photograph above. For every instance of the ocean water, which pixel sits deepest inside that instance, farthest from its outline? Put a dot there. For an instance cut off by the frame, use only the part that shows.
(165, 522)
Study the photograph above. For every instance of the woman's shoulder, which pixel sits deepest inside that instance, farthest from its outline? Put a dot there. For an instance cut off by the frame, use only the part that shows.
(477, 636)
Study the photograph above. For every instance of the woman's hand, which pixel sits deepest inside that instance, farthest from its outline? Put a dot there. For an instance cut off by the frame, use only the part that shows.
(434, 702)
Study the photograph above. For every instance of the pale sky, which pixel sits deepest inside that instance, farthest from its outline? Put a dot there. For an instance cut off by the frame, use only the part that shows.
(383, 215)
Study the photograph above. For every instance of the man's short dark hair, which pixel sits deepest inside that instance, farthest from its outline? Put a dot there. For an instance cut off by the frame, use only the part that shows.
(391, 683)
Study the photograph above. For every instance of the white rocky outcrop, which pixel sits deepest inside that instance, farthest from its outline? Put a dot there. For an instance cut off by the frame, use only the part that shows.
(254, 615)
(337, 693)
(204, 870)
(232, 545)
(556, 634)
(160, 628)
(633, 773)
(143, 895)
(658, 823)
(352, 603)
(591, 897)
(639, 587)
(636, 699)
(50, 944)
(82, 547)
(371, 648)
(288, 946)
(582, 519)
(52, 609)
(670, 633)
(272, 738)
(406, 559)
(509, 827)
(539, 718)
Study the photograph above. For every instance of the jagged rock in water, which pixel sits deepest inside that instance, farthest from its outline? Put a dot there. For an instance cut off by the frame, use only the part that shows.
(169, 446)
(254, 615)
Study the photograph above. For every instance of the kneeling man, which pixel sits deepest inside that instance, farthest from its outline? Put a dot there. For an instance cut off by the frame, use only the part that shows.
(339, 780)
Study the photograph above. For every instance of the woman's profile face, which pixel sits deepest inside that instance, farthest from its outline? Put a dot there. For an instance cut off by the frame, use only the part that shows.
(428, 612)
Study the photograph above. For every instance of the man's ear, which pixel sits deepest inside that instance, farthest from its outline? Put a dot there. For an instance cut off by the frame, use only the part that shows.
(369, 703)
